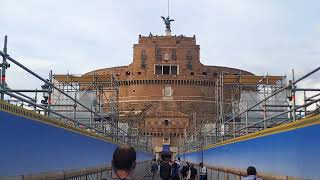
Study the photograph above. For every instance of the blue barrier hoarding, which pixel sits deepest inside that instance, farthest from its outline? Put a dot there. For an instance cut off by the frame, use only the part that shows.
(291, 153)
(29, 146)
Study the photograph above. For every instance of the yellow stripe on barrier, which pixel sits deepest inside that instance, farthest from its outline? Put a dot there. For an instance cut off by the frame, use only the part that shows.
(281, 128)
(309, 121)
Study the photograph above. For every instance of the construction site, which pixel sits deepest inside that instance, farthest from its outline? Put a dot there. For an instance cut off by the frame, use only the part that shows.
(167, 105)
(163, 109)
(168, 112)
(234, 94)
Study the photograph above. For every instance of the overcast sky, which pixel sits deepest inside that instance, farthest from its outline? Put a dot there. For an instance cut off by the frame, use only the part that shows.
(260, 36)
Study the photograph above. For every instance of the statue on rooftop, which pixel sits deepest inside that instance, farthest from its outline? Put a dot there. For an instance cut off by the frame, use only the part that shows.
(167, 21)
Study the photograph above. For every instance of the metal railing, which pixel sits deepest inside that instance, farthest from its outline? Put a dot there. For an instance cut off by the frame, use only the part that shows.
(119, 135)
(223, 173)
(232, 128)
(94, 173)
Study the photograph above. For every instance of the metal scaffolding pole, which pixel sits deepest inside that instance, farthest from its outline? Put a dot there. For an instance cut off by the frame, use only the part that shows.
(270, 102)
(4, 66)
(78, 106)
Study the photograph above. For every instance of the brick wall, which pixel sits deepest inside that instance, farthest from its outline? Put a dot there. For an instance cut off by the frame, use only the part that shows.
(189, 91)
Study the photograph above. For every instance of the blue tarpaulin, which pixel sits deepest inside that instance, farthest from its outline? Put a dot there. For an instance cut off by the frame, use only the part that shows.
(166, 149)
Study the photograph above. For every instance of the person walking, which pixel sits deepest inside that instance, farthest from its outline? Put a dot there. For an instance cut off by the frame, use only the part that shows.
(184, 171)
(252, 174)
(193, 173)
(175, 171)
(179, 164)
(165, 170)
(154, 168)
(123, 162)
(203, 172)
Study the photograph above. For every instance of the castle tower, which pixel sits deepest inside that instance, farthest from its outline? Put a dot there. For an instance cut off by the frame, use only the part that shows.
(168, 85)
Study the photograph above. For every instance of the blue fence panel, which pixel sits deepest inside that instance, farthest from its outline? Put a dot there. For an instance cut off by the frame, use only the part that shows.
(29, 146)
(292, 153)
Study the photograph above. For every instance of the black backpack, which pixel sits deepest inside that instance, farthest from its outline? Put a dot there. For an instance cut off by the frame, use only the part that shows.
(165, 170)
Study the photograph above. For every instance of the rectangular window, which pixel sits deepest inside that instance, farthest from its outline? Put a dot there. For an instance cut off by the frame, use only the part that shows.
(174, 70)
(166, 70)
(189, 55)
(143, 63)
(158, 51)
(174, 55)
(143, 59)
(158, 69)
(158, 55)
(189, 65)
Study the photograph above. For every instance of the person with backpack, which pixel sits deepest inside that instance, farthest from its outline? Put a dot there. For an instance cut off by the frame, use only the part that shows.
(252, 174)
(203, 172)
(185, 171)
(179, 164)
(193, 173)
(175, 172)
(154, 168)
(165, 170)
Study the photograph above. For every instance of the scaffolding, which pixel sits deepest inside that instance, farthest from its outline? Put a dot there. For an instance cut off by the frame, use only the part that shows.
(246, 104)
(99, 92)
(235, 93)
(88, 102)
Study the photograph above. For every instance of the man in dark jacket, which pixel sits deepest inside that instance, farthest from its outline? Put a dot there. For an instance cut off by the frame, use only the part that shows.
(185, 170)
(165, 170)
(193, 173)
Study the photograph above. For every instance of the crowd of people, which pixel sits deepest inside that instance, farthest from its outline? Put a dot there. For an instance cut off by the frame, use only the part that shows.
(124, 163)
(177, 170)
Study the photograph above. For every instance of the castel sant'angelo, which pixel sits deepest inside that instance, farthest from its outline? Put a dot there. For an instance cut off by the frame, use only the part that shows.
(171, 93)
(167, 80)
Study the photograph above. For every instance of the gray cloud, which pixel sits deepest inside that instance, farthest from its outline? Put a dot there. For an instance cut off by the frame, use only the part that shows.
(267, 36)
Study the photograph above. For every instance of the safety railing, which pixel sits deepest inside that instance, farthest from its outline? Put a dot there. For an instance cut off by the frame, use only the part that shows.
(223, 173)
(239, 125)
(94, 173)
(118, 135)
(7, 107)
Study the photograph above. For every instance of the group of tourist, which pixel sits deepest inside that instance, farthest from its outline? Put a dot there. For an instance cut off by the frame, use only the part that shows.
(177, 170)
(124, 163)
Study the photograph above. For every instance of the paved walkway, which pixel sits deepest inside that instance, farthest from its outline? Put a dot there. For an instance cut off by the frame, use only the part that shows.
(149, 177)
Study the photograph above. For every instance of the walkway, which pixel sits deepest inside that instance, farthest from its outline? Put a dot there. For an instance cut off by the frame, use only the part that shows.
(149, 177)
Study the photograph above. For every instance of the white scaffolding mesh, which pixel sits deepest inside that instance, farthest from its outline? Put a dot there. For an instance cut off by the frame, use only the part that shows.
(273, 105)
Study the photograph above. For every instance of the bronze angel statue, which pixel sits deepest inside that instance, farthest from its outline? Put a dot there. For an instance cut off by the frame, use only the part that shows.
(167, 21)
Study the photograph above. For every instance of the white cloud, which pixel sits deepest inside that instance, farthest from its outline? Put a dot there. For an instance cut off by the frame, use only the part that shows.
(18, 78)
(35, 64)
(317, 28)
(265, 36)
